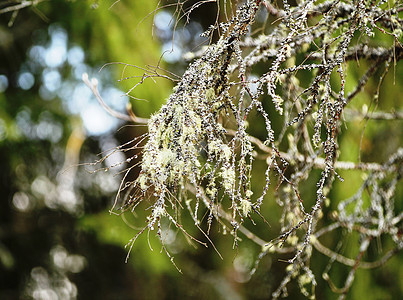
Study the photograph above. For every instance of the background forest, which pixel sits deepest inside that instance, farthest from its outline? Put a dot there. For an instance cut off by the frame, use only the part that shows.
(57, 237)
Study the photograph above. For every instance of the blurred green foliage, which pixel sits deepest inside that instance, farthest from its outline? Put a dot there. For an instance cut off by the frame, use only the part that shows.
(31, 226)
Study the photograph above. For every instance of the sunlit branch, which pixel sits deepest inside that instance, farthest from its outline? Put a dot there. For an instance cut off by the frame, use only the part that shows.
(16, 7)
(93, 86)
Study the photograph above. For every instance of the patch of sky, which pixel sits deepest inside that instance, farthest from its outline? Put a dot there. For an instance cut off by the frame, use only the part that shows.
(52, 55)
(163, 20)
(48, 62)
(75, 56)
(45, 94)
(25, 80)
(36, 55)
(56, 68)
(171, 52)
(113, 158)
(79, 99)
(176, 40)
(96, 120)
(3, 83)
(54, 283)
(51, 79)
(79, 70)
(46, 128)
(24, 122)
(116, 99)
(56, 52)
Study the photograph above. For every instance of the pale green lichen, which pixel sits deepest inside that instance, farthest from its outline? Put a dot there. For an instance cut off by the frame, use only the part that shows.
(211, 192)
(188, 149)
(292, 240)
(248, 193)
(165, 157)
(304, 279)
(158, 212)
(246, 207)
(227, 152)
(142, 182)
(228, 178)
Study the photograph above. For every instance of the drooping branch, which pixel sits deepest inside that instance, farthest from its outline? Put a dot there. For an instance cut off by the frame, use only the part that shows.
(200, 156)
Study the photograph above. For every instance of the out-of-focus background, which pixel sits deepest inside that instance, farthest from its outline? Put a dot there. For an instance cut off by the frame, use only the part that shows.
(57, 238)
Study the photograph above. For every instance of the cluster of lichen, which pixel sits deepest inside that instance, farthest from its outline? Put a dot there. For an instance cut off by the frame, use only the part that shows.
(186, 141)
(187, 144)
(176, 132)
